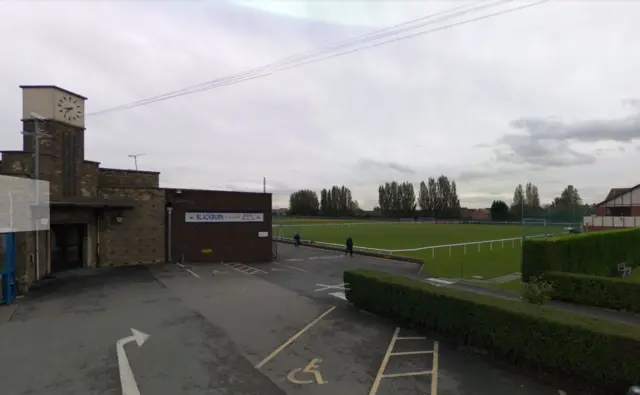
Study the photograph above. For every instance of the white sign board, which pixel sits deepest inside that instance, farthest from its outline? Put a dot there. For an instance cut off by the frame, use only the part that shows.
(223, 217)
(263, 234)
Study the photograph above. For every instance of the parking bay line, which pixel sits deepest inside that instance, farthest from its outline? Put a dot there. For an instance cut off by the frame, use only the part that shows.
(385, 360)
(291, 267)
(383, 365)
(293, 338)
(188, 270)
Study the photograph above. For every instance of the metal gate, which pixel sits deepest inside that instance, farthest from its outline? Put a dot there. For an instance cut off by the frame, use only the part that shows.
(7, 267)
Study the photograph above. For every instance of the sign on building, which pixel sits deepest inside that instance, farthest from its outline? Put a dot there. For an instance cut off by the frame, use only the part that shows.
(223, 217)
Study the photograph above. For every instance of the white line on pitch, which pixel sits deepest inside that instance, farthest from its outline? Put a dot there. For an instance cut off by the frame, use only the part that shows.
(412, 338)
(291, 267)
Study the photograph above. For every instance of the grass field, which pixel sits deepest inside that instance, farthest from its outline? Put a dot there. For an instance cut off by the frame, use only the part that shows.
(486, 260)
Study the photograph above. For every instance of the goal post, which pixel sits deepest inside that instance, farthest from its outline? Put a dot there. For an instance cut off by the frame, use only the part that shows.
(535, 221)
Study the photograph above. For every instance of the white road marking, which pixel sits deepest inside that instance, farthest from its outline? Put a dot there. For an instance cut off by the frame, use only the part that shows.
(412, 352)
(187, 270)
(325, 287)
(293, 338)
(242, 268)
(385, 360)
(127, 380)
(340, 295)
(291, 267)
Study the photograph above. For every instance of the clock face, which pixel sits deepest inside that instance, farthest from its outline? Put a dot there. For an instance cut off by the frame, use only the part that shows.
(69, 108)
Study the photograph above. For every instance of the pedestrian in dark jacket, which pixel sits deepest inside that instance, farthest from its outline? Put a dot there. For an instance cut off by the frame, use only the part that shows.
(296, 239)
(349, 249)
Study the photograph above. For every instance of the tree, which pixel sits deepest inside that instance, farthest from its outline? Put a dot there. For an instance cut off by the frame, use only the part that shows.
(339, 201)
(323, 202)
(424, 199)
(446, 203)
(304, 202)
(396, 199)
(531, 196)
(406, 200)
(433, 196)
(454, 201)
(499, 210)
(518, 197)
(570, 196)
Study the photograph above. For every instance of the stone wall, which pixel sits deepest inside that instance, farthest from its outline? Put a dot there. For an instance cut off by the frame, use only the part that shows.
(89, 179)
(140, 237)
(16, 163)
(129, 178)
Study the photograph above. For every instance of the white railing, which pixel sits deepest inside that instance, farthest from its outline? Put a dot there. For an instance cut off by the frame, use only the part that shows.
(349, 223)
(465, 246)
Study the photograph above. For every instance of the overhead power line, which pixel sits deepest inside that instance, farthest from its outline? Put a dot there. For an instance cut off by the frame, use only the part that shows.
(324, 53)
(307, 55)
(315, 52)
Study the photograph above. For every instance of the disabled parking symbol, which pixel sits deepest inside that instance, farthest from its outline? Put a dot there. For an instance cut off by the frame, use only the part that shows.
(311, 369)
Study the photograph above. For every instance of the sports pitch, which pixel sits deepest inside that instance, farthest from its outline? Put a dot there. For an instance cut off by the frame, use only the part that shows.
(486, 260)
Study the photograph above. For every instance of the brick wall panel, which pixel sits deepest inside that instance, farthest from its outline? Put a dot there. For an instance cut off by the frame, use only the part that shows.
(129, 178)
(140, 238)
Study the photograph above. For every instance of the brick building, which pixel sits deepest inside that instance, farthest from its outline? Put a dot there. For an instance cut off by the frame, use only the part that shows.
(620, 209)
(108, 217)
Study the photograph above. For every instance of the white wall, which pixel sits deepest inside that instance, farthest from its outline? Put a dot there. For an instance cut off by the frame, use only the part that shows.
(615, 222)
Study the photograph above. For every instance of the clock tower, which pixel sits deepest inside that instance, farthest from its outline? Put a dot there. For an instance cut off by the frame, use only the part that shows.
(61, 137)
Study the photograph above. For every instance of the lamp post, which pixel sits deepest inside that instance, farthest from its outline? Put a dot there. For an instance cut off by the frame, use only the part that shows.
(36, 179)
(169, 211)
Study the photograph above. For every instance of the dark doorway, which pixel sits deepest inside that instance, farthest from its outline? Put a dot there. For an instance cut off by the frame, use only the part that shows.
(67, 247)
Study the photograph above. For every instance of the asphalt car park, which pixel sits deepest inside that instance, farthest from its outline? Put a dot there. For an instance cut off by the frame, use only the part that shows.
(226, 328)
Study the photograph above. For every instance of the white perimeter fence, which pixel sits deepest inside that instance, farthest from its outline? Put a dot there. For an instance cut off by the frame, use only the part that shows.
(443, 222)
(512, 242)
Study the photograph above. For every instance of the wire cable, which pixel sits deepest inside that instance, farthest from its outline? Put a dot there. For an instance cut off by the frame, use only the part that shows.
(285, 65)
(265, 70)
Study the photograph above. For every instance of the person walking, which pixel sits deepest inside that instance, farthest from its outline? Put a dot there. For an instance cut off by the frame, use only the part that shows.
(296, 239)
(349, 249)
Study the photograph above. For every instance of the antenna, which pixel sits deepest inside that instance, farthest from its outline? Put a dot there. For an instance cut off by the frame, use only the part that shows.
(135, 159)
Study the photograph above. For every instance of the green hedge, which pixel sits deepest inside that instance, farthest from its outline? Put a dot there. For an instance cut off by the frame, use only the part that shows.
(595, 253)
(605, 355)
(607, 292)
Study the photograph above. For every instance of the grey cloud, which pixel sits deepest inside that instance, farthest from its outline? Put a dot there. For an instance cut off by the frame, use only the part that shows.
(623, 130)
(377, 165)
(546, 141)
(526, 149)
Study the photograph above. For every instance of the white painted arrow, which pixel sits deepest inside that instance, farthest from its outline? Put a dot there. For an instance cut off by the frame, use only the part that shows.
(128, 382)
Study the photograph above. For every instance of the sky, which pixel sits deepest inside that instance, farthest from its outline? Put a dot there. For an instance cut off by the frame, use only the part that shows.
(547, 94)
